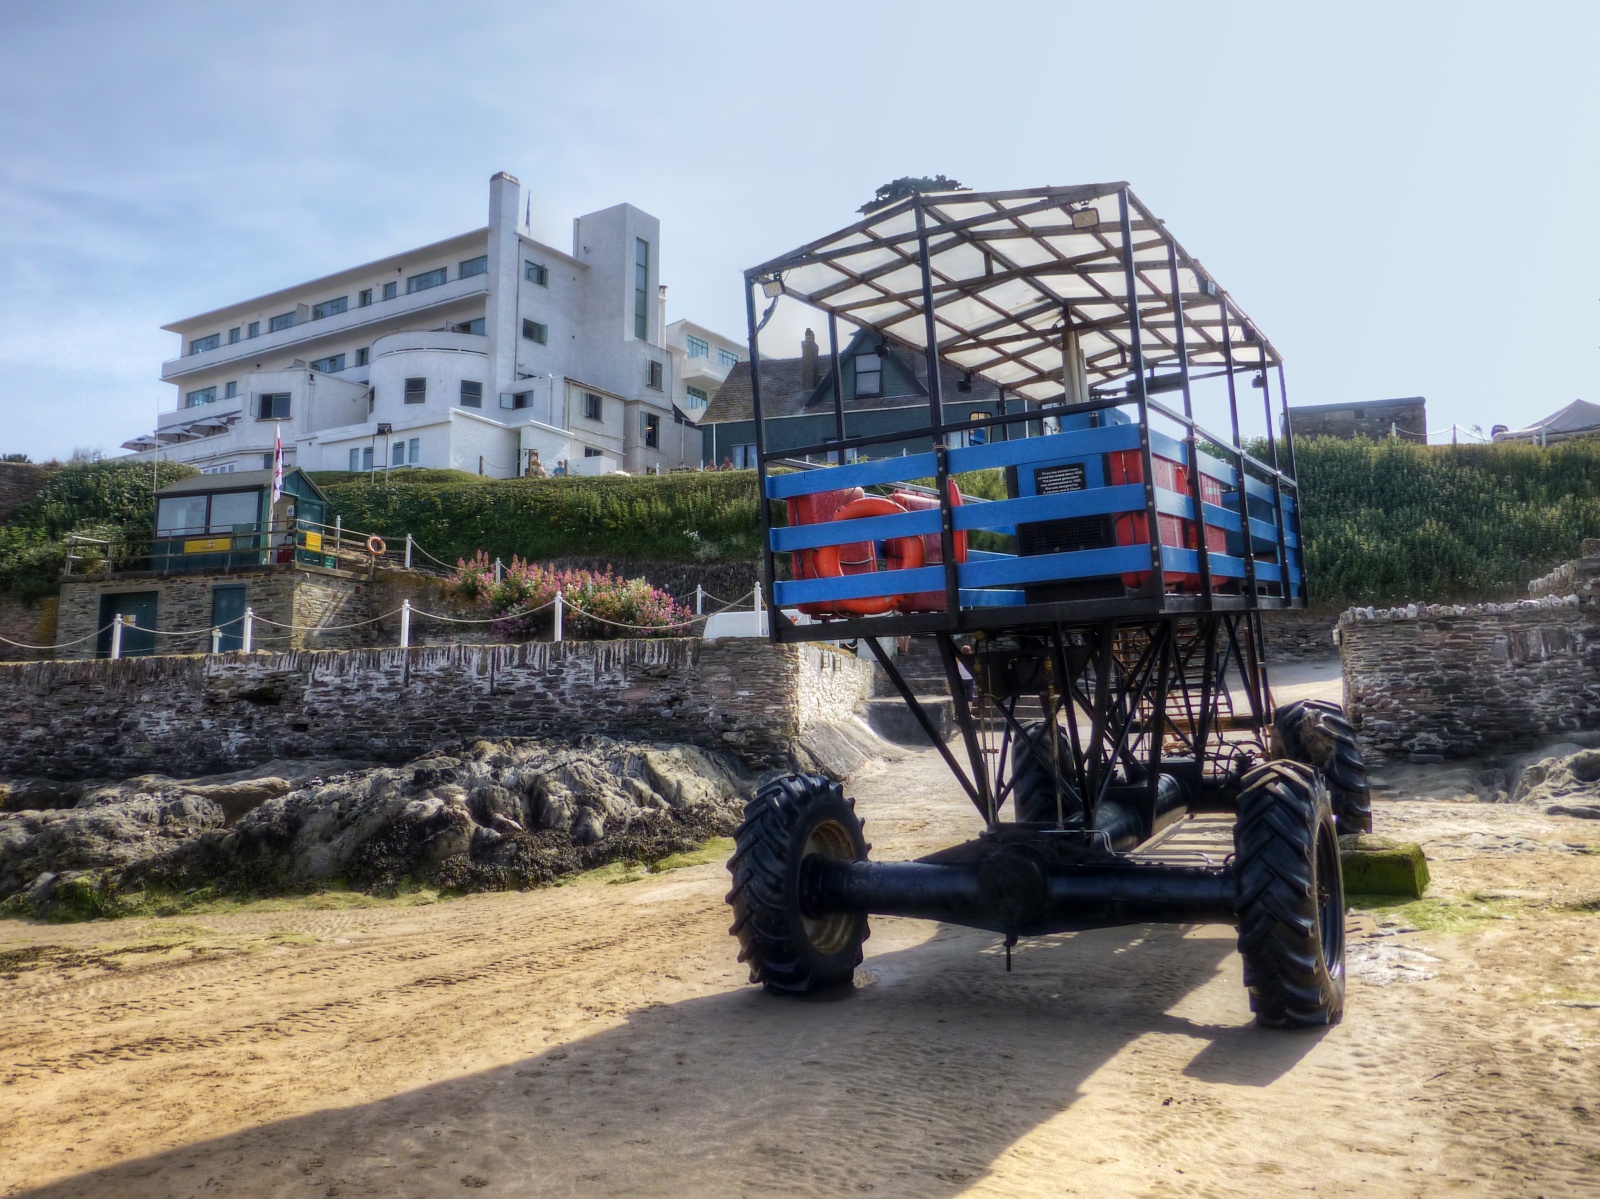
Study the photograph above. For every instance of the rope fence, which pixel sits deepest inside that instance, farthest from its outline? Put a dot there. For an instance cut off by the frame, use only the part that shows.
(248, 638)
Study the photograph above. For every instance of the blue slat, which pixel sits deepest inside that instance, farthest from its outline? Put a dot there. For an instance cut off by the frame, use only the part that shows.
(858, 474)
(1080, 564)
(1073, 443)
(972, 597)
(865, 528)
(1125, 497)
(863, 586)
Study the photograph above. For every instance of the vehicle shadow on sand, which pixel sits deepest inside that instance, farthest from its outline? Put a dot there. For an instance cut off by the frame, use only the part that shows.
(915, 1082)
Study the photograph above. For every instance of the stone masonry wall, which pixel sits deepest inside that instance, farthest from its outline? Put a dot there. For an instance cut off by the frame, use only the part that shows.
(32, 622)
(1299, 633)
(200, 713)
(1432, 681)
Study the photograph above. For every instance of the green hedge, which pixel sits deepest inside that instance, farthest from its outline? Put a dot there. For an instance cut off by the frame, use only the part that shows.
(1388, 521)
(1384, 521)
(711, 516)
(102, 499)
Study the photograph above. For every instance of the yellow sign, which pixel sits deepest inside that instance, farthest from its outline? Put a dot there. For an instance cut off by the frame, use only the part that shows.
(208, 545)
(314, 542)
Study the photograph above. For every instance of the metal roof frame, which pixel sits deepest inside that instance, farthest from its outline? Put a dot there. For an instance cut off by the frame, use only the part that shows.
(1011, 273)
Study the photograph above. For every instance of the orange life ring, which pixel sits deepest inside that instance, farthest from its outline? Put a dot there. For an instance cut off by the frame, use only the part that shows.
(375, 546)
(903, 553)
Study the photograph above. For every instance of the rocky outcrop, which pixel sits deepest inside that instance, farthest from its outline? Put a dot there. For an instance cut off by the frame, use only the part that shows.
(497, 814)
(1564, 783)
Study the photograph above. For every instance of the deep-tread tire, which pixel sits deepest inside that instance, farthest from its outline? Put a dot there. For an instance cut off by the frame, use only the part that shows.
(788, 952)
(1290, 899)
(1033, 791)
(1317, 733)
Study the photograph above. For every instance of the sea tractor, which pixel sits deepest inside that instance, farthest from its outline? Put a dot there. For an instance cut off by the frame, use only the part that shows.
(1098, 618)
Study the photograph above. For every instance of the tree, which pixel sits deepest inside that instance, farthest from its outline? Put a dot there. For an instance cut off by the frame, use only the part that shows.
(907, 185)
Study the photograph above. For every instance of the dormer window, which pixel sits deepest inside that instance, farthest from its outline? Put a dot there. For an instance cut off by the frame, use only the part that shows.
(869, 374)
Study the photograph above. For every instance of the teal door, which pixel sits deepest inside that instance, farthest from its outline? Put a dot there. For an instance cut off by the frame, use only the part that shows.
(227, 614)
(137, 642)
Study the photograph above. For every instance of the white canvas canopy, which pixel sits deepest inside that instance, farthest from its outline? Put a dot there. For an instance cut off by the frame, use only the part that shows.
(1578, 419)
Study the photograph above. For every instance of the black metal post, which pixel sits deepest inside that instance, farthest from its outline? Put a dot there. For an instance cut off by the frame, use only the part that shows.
(1005, 430)
(1195, 489)
(1238, 446)
(1294, 473)
(776, 618)
(1277, 477)
(947, 531)
(969, 735)
(838, 385)
(1158, 582)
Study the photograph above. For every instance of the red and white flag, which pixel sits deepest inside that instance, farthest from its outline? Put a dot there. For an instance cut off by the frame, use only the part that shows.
(277, 464)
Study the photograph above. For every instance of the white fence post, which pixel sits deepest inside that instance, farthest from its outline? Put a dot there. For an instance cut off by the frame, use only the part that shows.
(699, 600)
(116, 636)
(405, 620)
(338, 532)
(248, 633)
(216, 639)
(498, 570)
(560, 604)
(760, 631)
(408, 551)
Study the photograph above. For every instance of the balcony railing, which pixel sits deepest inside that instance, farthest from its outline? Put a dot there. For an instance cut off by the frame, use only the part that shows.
(238, 547)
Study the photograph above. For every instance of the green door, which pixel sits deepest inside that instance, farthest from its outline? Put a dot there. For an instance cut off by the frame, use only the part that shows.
(227, 614)
(137, 642)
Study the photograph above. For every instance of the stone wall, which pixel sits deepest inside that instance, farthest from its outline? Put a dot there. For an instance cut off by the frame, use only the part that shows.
(1432, 681)
(31, 622)
(1299, 633)
(281, 595)
(200, 713)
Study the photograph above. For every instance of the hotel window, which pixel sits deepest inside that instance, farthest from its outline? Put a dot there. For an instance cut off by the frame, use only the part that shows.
(698, 398)
(593, 406)
(201, 344)
(744, 457)
(273, 406)
(590, 452)
(206, 395)
(652, 431)
(474, 266)
(534, 331)
(653, 376)
(284, 320)
(641, 289)
(427, 279)
(389, 290)
(331, 365)
(727, 357)
(416, 391)
(361, 356)
(471, 394)
(535, 272)
(477, 326)
(361, 458)
(364, 298)
(698, 347)
(397, 454)
(416, 450)
(233, 335)
(869, 374)
(330, 308)
(255, 329)
(231, 390)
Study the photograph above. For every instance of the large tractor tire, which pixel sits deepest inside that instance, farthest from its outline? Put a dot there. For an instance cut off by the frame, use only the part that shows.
(791, 951)
(1290, 900)
(1033, 791)
(1316, 733)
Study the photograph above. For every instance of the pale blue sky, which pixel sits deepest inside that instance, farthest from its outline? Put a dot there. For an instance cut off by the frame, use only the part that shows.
(1403, 195)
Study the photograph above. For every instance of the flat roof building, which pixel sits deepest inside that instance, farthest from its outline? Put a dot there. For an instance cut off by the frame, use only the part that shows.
(474, 353)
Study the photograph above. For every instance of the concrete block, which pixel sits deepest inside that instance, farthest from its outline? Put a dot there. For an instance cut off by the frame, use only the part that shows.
(1378, 866)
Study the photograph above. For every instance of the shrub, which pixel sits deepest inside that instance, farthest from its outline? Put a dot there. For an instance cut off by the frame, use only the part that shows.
(599, 604)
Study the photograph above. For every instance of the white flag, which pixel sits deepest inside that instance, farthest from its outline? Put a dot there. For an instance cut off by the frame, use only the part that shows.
(277, 464)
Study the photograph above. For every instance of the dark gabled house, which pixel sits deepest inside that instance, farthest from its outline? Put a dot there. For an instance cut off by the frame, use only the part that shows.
(885, 390)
